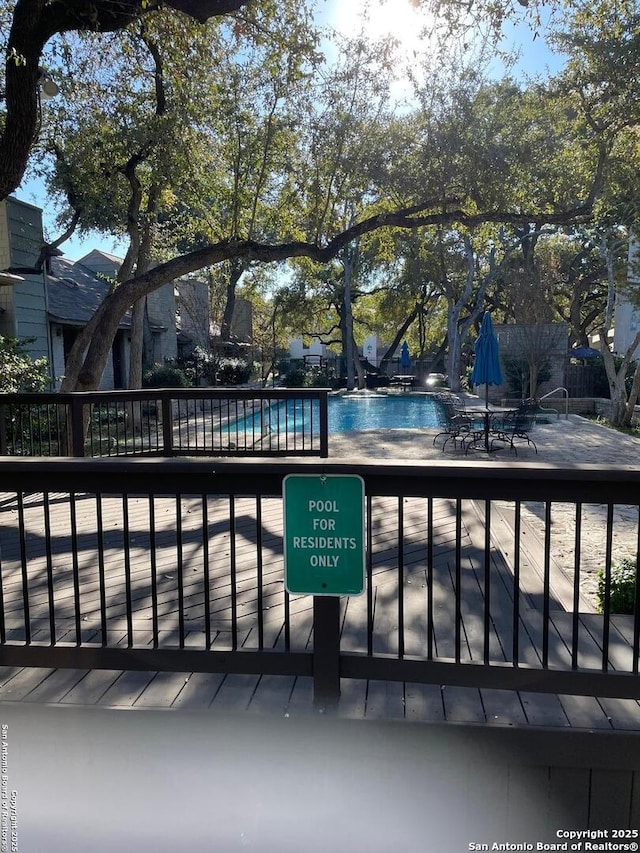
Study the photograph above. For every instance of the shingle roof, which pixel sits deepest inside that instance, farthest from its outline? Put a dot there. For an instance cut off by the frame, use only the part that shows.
(75, 292)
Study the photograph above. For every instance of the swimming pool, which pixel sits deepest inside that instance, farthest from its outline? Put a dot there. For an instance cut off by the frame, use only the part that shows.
(351, 413)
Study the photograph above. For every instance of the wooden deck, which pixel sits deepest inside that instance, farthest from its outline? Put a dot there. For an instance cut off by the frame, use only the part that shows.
(159, 550)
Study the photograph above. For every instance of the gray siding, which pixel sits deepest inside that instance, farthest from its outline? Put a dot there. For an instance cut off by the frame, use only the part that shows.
(24, 222)
(195, 315)
(161, 312)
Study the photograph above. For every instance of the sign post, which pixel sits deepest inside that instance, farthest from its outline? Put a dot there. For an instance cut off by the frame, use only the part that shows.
(324, 551)
(324, 556)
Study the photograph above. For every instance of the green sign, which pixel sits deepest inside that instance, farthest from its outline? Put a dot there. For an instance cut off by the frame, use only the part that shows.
(324, 534)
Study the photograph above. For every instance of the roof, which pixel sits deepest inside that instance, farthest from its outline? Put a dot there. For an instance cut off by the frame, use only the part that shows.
(75, 292)
(95, 254)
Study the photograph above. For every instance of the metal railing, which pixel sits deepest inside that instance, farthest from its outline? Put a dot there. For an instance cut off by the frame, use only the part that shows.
(175, 565)
(166, 422)
(566, 401)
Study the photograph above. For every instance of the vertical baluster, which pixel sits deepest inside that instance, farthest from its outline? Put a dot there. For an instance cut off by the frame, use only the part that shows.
(32, 447)
(430, 579)
(458, 608)
(75, 567)
(49, 561)
(516, 583)
(153, 557)
(636, 609)
(180, 563)
(24, 570)
(125, 418)
(48, 410)
(101, 572)
(487, 581)
(206, 572)
(287, 621)
(259, 571)
(400, 577)
(607, 600)
(232, 576)
(100, 416)
(127, 568)
(576, 588)
(546, 584)
(369, 510)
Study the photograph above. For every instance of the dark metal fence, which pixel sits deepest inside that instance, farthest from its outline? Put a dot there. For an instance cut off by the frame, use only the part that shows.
(175, 565)
(165, 422)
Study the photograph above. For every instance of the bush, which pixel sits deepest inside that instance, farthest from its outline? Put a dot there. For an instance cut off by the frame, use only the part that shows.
(623, 587)
(233, 371)
(165, 376)
(312, 376)
(18, 371)
(295, 377)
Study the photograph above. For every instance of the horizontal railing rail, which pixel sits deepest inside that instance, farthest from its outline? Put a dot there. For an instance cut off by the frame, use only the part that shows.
(166, 422)
(178, 565)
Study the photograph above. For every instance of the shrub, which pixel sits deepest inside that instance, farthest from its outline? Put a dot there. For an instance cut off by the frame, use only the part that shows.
(18, 371)
(295, 377)
(623, 587)
(165, 376)
(233, 371)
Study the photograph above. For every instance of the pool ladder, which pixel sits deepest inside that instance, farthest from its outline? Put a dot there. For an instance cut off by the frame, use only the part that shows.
(566, 402)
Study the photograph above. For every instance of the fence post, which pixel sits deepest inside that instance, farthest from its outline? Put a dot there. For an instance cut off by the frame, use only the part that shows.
(326, 649)
(77, 426)
(324, 425)
(3, 430)
(167, 424)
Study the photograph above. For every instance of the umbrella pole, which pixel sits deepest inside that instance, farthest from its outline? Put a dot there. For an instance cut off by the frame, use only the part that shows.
(486, 417)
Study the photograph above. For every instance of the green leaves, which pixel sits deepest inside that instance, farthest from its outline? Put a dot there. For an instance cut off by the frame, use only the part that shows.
(18, 371)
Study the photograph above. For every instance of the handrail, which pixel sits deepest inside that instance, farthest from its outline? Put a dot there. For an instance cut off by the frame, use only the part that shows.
(206, 507)
(566, 399)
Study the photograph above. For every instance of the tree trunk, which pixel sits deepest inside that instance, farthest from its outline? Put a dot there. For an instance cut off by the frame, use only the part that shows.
(359, 370)
(349, 345)
(454, 353)
(234, 277)
(386, 358)
(633, 398)
(137, 339)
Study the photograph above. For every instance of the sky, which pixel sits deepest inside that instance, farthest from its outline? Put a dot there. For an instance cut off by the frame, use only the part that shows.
(398, 18)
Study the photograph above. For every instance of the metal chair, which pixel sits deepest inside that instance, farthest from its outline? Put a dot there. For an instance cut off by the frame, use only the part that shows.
(458, 425)
(515, 425)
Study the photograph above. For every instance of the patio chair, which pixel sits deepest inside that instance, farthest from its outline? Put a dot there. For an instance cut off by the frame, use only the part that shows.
(515, 425)
(458, 425)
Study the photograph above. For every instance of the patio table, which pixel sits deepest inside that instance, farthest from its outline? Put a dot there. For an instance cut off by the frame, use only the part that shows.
(405, 381)
(486, 414)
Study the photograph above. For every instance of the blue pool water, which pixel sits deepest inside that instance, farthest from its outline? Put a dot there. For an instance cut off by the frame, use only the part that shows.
(348, 414)
(354, 413)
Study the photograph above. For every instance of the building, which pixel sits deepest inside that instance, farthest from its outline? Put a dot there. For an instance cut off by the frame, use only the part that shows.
(47, 301)
(626, 311)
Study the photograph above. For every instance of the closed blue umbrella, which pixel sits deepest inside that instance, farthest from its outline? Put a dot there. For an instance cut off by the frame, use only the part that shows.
(405, 361)
(486, 367)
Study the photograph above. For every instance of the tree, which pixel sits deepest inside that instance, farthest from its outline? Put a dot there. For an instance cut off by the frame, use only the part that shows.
(174, 159)
(421, 184)
(33, 24)
(612, 245)
(573, 279)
